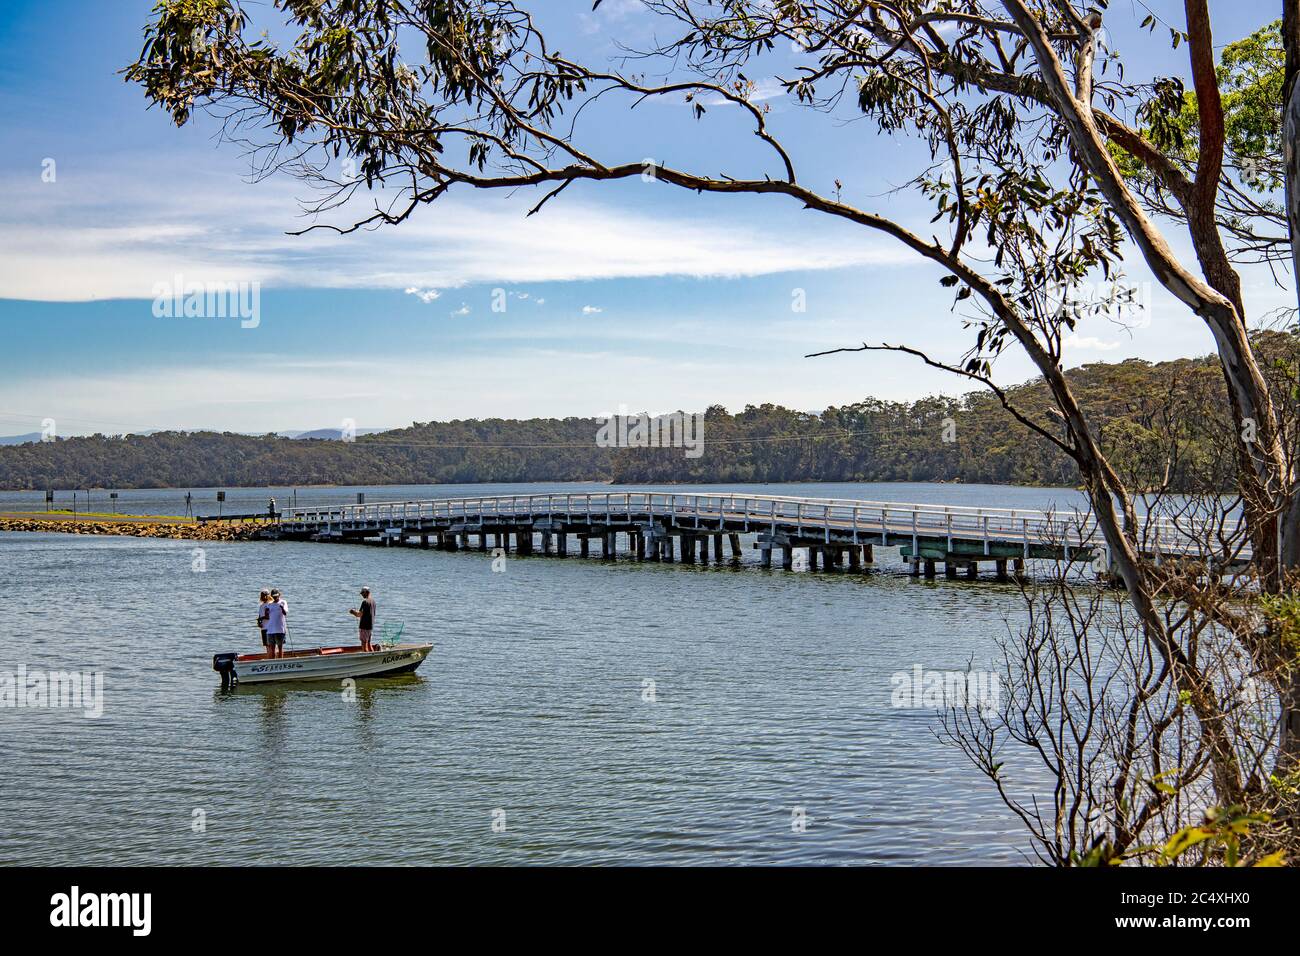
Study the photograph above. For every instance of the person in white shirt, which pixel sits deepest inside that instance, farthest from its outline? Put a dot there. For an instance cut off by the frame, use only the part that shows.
(275, 614)
(263, 599)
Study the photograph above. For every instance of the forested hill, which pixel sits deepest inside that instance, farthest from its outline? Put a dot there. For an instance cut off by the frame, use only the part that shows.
(971, 439)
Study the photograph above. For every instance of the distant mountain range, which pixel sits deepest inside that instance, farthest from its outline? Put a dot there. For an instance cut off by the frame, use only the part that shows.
(327, 434)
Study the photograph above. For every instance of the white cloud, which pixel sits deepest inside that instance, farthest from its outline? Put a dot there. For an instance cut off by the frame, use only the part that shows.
(66, 241)
(424, 295)
(463, 310)
(1090, 343)
(591, 309)
(761, 91)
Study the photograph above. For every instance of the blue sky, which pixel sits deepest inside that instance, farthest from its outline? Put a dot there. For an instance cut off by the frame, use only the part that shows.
(633, 294)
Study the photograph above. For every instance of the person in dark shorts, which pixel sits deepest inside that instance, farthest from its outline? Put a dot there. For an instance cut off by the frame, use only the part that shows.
(277, 613)
(365, 616)
(263, 600)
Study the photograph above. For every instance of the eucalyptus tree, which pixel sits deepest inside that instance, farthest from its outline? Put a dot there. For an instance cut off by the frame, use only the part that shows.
(1048, 166)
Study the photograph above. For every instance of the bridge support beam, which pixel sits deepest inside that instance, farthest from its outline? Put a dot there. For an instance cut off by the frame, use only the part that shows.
(787, 557)
(868, 554)
(765, 556)
(561, 545)
(855, 558)
(1001, 565)
(929, 567)
(735, 549)
(584, 545)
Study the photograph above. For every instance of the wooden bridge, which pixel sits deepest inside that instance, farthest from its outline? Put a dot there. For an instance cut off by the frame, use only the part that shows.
(665, 526)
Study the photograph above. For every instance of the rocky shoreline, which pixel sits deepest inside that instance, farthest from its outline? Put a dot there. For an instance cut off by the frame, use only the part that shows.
(186, 531)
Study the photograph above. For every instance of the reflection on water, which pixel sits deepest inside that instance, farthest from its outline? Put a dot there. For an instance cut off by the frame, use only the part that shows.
(771, 694)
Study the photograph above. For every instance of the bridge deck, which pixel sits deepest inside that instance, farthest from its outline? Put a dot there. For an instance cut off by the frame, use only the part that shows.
(833, 529)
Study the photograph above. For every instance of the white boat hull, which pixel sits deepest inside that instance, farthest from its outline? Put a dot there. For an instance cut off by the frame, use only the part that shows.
(321, 663)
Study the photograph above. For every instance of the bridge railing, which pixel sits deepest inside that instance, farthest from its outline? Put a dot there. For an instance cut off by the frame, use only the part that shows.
(810, 515)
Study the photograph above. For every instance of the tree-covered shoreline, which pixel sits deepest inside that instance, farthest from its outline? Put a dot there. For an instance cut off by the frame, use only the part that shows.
(969, 438)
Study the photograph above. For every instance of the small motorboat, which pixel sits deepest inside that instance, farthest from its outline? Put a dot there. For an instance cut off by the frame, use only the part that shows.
(320, 663)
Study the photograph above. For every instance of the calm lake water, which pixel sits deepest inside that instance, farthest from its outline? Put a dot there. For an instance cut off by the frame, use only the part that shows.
(771, 697)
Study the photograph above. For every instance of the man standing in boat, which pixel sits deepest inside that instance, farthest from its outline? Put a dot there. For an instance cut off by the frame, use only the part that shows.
(275, 615)
(365, 616)
(263, 599)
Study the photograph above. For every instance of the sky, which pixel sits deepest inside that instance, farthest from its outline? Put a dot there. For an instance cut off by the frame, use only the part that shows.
(632, 295)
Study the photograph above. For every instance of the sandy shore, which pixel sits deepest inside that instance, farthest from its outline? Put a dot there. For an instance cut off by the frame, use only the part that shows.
(150, 527)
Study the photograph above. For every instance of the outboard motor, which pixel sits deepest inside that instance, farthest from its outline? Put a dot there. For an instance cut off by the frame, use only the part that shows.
(224, 664)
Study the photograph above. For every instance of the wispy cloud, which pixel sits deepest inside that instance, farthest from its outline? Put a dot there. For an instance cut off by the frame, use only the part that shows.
(64, 242)
(760, 91)
(1089, 343)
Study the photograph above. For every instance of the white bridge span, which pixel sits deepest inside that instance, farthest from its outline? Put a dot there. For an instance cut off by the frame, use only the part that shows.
(667, 526)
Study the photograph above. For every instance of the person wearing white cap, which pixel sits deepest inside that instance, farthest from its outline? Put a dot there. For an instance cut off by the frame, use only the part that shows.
(276, 616)
(365, 616)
